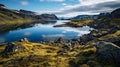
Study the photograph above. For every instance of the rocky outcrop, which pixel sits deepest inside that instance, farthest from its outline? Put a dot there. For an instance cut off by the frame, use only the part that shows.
(108, 51)
(99, 33)
(59, 40)
(12, 47)
(115, 40)
(24, 40)
(86, 38)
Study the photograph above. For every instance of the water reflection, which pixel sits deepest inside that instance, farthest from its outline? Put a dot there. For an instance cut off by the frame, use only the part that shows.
(42, 32)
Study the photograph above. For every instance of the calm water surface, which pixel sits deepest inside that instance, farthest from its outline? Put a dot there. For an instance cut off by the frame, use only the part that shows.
(45, 32)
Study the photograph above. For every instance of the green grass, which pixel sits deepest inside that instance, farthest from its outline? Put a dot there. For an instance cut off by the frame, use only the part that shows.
(115, 22)
(9, 19)
(37, 54)
(78, 23)
(116, 34)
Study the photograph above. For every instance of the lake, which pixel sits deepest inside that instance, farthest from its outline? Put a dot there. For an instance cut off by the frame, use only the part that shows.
(45, 32)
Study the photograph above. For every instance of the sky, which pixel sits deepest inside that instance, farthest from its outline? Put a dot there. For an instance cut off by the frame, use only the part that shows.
(64, 8)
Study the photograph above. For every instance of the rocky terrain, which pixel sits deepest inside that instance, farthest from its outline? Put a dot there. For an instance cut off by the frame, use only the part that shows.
(100, 48)
(105, 35)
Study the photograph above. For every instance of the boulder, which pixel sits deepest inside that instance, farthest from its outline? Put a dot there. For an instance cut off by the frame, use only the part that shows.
(108, 51)
(115, 40)
(12, 47)
(86, 38)
(24, 40)
(60, 40)
(99, 33)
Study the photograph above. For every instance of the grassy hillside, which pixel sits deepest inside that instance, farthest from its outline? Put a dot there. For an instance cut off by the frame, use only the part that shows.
(42, 55)
(116, 34)
(10, 19)
(78, 23)
(36, 54)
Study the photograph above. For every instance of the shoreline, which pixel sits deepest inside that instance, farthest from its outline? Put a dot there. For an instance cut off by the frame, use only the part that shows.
(99, 48)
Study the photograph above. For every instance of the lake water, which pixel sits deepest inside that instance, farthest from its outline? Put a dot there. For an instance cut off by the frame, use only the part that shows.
(45, 32)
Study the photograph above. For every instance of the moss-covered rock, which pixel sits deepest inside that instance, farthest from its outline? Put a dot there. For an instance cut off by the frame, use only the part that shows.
(108, 52)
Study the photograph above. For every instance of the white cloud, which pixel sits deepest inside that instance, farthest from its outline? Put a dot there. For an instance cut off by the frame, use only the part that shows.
(87, 7)
(52, 0)
(92, 2)
(64, 4)
(24, 3)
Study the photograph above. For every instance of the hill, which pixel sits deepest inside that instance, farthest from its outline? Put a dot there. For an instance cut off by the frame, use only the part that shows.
(10, 19)
(83, 17)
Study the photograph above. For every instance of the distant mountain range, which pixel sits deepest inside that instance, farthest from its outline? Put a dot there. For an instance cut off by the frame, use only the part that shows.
(83, 17)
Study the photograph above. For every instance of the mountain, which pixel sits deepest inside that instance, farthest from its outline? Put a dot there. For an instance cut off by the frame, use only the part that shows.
(42, 16)
(3, 6)
(47, 16)
(116, 13)
(9, 16)
(104, 15)
(27, 12)
(83, 17)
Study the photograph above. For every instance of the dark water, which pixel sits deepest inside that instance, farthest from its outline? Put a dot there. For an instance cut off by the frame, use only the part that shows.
(44, 32)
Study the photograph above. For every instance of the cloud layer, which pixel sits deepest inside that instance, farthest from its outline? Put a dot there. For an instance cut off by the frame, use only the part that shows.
(82, 7)
(88, 7)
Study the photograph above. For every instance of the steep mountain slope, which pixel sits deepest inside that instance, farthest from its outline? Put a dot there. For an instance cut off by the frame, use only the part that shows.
(116, 13)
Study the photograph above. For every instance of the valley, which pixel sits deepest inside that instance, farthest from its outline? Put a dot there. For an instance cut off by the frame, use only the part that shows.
(30, 40)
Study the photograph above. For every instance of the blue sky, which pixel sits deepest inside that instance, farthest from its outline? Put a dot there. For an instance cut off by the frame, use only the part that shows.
(38, 5)
(64, 8)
